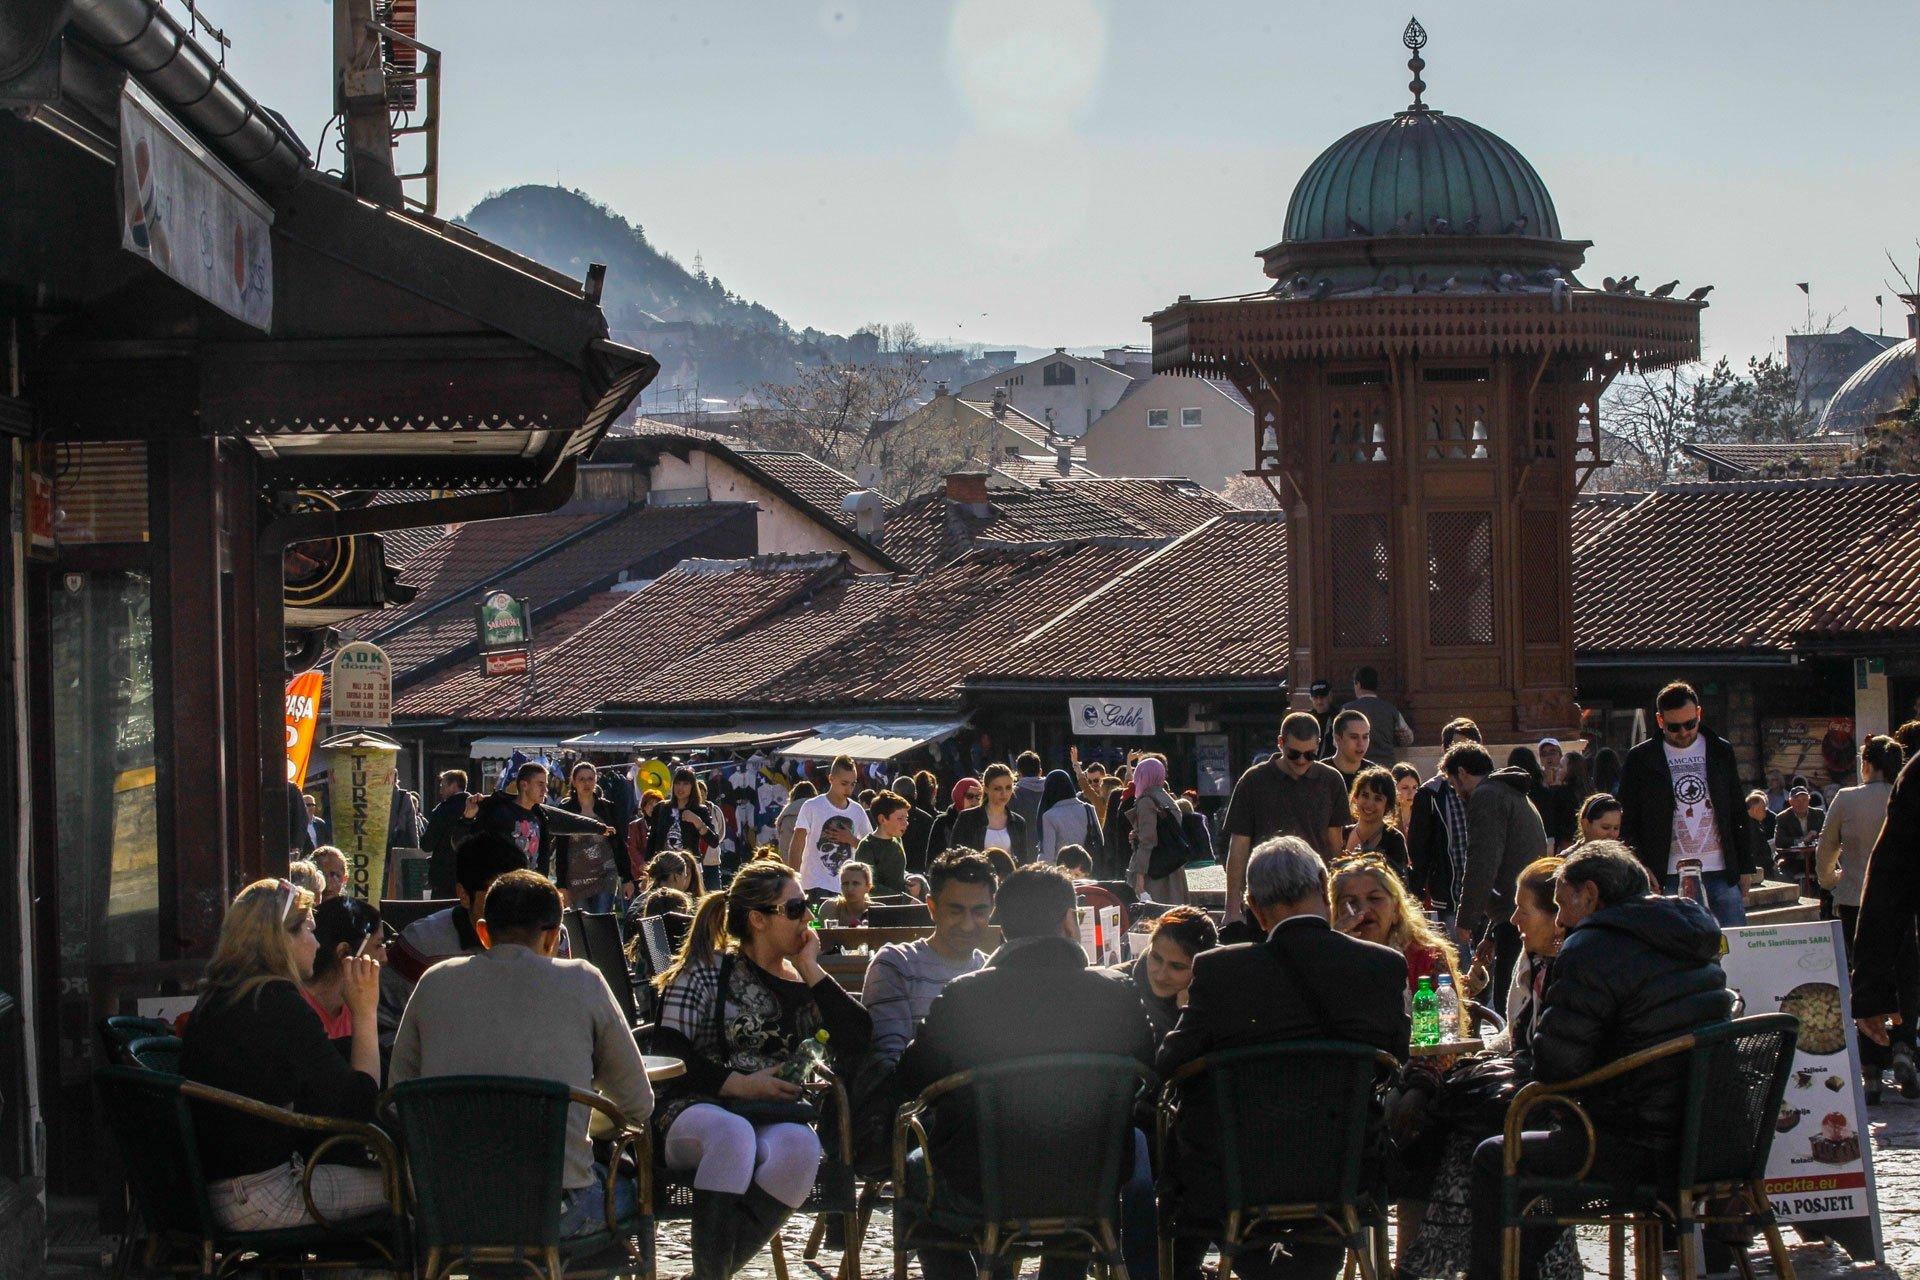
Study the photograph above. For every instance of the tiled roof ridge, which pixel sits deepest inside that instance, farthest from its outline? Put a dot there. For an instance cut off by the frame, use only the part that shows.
(773, 562)
(1114, 583)
(1693, 488)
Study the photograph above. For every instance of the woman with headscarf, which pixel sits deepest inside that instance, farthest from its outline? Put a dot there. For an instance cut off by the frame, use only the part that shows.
(966, 794)
(1065, 818)
(1151, 800)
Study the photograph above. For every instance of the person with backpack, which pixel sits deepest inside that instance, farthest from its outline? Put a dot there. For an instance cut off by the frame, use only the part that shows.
(1157, 870)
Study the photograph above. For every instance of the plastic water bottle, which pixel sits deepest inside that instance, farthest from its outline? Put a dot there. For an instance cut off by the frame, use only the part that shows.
(1446, 1003)
(799, 1068)
(1426, 1017)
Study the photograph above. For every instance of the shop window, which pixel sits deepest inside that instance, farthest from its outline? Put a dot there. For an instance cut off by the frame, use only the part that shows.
(1460, 578)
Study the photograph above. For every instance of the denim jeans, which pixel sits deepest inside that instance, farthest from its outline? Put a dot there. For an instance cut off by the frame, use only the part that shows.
(583, 1210)
(1725, 898)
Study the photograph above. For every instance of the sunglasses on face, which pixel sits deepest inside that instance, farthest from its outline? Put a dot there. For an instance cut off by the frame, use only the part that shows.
(792, 909)
(1301, 755)
(1683, 726)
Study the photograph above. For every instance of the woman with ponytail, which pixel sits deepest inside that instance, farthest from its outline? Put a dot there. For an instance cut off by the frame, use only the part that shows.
(744, 995)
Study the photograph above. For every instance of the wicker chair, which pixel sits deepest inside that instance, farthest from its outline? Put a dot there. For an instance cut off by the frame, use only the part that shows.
(1736, 1076)
(1051, 1163)
(156, 1053)
(150, 1115)
(485, 1157)
(1292, 1122)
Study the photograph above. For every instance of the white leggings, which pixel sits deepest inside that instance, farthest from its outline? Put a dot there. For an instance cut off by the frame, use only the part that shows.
(726, 1153)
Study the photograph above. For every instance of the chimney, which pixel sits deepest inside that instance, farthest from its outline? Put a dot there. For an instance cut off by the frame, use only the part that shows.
(1117, 357)
(967, 491)
(999, 402)
(1063, 457)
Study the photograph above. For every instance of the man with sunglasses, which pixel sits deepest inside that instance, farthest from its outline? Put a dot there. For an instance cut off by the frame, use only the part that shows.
(1681, 798)
(1291, 793)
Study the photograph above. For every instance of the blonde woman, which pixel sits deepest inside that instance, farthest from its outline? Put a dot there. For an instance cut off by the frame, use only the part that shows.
(254, 1033)
(1370, 903)
(743, 996)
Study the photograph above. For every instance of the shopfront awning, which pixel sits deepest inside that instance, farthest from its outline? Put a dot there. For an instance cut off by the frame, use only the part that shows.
(872, 739)
(742, 737)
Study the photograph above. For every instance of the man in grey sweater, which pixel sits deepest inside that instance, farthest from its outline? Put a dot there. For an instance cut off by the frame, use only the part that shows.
(906, 977)
(514, 1010)
(1504, 834)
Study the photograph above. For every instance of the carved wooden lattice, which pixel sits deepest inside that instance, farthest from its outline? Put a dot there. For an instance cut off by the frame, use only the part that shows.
(1454, 429)
(1357, 426)
(1540, 539)
(1460, 578)
(1362, 591)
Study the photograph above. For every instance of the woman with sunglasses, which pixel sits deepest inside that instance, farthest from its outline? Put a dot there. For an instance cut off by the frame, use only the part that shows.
(254, 1033)
(965, 795)
(744, 996)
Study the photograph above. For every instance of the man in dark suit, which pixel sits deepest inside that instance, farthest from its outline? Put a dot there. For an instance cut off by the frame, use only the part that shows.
(1035, 996)
(1303, 981)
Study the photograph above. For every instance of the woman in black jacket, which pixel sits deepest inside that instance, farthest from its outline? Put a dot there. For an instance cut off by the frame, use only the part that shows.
(995, 823)
(1164, 972)
(254, 1033)
(588, 867)
(690, 823)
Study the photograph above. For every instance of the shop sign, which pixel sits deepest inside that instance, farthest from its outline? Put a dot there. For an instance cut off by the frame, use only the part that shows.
(360, 776)
(503, 623)
(362, 686)
(303, 717)
(504, 664)
(1210, 762)
(1821, 1165)
(1111, 717)
(187, 214)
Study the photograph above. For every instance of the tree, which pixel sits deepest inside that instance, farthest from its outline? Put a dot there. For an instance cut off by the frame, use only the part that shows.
(1249, 493)
(1648, 415)
(834, 412)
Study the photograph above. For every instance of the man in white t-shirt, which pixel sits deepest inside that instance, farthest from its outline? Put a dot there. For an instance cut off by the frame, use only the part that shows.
(1681, 798)
(829, 828)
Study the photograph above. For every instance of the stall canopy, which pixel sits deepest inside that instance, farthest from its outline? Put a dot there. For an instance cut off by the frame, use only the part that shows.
(742, 737)
(872, 739)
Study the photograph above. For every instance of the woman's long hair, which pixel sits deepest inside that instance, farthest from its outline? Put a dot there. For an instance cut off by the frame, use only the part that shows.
(697, 795)
(256, 941)
(1414, 929)
(672, 862)
(720, 924)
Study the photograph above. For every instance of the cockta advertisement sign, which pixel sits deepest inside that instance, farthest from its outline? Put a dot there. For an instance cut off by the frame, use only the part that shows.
(1822, 1161)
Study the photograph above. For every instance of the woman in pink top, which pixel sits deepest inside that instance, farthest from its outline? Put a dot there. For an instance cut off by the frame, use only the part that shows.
(341, 927)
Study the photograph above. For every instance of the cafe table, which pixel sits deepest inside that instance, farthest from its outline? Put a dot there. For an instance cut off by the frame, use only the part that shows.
(662, 1068)
(1448, 1048)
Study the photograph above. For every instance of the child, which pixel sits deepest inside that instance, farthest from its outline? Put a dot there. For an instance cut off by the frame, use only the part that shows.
(849, 910)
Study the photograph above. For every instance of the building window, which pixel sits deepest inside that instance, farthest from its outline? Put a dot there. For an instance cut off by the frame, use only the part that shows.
(1058, 374)
(1157, 417)
(1189, 417)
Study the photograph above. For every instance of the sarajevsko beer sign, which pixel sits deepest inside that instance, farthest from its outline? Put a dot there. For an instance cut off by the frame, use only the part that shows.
(303, 716)
(362, 686)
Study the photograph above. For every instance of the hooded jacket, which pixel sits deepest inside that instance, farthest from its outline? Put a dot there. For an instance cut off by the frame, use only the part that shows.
(1027, 794)
(1504, 834)
(1627, 978)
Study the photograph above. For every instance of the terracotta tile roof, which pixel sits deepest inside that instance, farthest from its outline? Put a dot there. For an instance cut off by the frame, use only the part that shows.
(1758, 459)
(1165, 619)
(640, 541)
(1734, 567)
(921, 535)
(1595, 510)
(692, 605)
(1874, 592)
(460, 692)
(809, 478)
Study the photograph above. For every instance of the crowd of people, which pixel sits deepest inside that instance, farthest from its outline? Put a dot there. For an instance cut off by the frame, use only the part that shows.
(1589, 921)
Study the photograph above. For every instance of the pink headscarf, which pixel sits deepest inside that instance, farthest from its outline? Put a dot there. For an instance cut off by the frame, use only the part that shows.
(1148, 774)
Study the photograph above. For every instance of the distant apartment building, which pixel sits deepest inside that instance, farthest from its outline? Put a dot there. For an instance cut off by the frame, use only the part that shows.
(1166, 425)
(1066, 393)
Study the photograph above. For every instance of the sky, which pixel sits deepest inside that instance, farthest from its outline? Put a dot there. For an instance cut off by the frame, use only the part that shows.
(1048, 172)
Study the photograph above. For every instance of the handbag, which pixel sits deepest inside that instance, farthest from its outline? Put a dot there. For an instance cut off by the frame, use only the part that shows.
(1170, 850)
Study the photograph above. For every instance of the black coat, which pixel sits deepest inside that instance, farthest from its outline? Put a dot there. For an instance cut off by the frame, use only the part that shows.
(1890, 900)
(1429, 859)
(1628, 977)
(1304, 982)
(1646, 805)
(970, 832)
(1036, 996)
(448, 827)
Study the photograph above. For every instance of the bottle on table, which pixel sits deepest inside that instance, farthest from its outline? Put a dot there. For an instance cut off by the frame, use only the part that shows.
(1426, 1016)
(1691, 884)
(1446, 1008)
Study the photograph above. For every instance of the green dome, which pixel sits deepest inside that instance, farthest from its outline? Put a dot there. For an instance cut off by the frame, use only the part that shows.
(1422, 163)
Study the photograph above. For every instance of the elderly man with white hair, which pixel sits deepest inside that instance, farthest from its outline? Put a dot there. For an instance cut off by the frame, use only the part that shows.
(1302, 980)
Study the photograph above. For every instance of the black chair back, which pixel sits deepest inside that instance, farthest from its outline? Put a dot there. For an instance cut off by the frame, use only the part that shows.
(485, 1156)
(576, 936)
(895, 917)
(1048, 1152)
(120, 1030)
(153, 1130)
(156, 1053)
(1736, 1078)
(398, 913)
(1292, 1121)
(607, 951)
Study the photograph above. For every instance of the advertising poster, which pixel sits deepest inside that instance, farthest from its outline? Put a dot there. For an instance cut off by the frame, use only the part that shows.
(1822, 1160)
(362, 687)
(303, 717)
(360, 776)
(1100, 934)
(1211, 765)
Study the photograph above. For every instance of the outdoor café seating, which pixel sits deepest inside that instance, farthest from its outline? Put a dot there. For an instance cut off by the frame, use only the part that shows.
(1736, 1076)
(1051, 1163)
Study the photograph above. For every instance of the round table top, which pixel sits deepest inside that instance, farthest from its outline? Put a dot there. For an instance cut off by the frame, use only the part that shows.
(1448, 1048)
(662, 1068)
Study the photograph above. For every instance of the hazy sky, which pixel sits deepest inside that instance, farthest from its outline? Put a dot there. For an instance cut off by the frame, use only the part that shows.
(1067, 166)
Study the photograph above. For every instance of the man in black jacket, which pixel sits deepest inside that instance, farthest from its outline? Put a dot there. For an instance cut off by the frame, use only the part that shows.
(447, 829)
(1302, 981)
(1681, 798)
(1437, 834)
(1035, 996)
(1635, 970)
(522, 816)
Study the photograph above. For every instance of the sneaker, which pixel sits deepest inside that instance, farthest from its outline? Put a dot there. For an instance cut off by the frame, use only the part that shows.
(1906, 1075)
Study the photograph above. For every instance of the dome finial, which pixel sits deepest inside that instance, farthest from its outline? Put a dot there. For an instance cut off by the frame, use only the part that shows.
(1415, 38)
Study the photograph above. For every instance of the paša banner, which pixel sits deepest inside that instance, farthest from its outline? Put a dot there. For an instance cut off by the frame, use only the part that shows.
(303, 717)
(360, 777)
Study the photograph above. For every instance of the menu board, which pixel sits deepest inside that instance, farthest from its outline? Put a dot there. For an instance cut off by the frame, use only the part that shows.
(1100, 934)
(1822, 1160)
